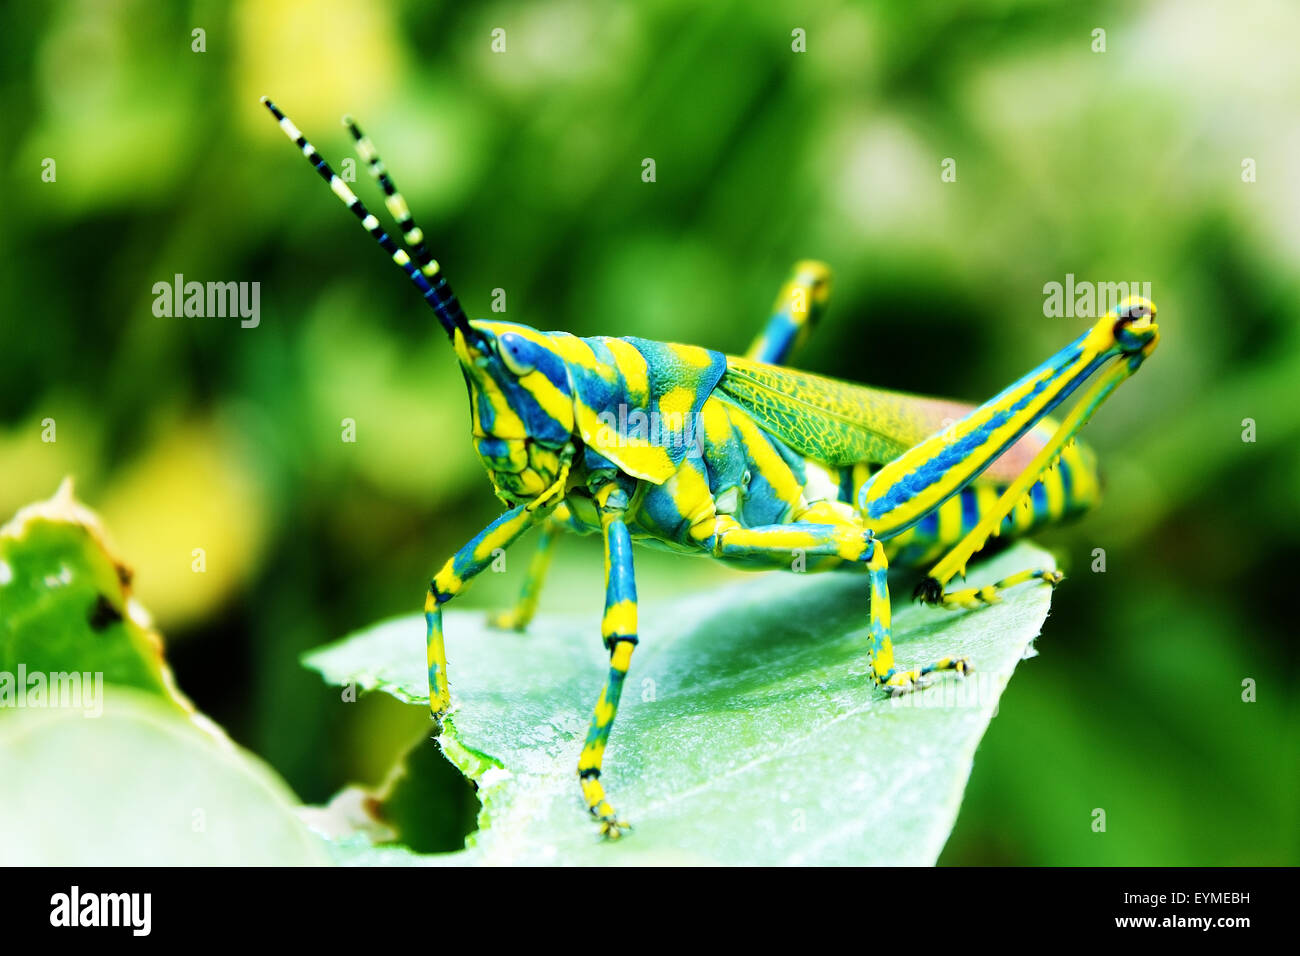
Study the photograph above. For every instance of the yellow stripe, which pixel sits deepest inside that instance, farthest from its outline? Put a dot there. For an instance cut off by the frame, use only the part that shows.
(341, 190)
(631, 365)
(693, 355)
(397, 206)
(772, 465)
(950, 519)
(622, 658)
(1055, 489)
(620, 618)
(604, 710)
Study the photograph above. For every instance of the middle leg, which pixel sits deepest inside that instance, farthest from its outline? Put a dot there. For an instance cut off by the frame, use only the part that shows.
(835, 544)
(518, 617)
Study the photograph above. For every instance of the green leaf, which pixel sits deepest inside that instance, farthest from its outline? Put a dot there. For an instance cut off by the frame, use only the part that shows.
(66, 606)
(749, 730)
(139, 785)
(103, 762)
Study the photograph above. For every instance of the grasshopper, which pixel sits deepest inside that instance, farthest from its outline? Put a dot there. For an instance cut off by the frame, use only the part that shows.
(750, 463)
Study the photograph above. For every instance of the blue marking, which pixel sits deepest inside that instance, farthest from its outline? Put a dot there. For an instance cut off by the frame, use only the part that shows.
(621, 585)
(493, 448)
(778, 339)
(846, 485)
(1038, 495)
(970, 512)
(594, 461)
(538, 424)
(659, 512)
(1067, 482)
(909, 486)
(487, 415)
(928, 473)
(760, 504)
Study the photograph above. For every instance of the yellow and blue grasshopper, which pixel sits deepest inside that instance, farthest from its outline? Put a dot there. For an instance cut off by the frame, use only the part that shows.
(690, 450)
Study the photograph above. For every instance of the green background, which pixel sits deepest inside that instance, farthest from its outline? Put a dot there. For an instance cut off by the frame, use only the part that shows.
(525, 169)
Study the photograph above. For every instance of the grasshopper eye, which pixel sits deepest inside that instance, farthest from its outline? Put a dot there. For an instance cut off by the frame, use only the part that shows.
(1135, 325)
(1135, 310)
(517, 353)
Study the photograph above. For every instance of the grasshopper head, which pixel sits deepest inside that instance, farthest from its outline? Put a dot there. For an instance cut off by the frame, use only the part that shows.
(521, 399)
(521, 405)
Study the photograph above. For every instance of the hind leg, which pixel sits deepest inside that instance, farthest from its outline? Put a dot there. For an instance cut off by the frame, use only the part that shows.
(929, 591)
(1018, 494)
(798, 306)
(920, 481)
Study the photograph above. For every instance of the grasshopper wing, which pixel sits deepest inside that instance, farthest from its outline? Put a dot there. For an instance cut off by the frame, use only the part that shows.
(839, 423)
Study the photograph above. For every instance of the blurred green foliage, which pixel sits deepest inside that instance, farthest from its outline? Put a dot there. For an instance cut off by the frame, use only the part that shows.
(525, 168)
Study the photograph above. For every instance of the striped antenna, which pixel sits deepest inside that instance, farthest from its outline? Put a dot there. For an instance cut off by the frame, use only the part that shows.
(428, 279)
(393, 199)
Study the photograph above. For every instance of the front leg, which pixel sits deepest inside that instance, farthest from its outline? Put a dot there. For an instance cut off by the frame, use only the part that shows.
(618, 629)
(452, 579)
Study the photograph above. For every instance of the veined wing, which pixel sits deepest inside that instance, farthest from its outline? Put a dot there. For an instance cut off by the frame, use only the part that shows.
(840, 423)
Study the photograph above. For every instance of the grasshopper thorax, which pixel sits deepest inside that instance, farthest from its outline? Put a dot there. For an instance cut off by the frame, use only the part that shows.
(521, 405)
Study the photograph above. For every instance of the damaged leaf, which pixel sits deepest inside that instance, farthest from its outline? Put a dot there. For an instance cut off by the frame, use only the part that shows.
(749, 732)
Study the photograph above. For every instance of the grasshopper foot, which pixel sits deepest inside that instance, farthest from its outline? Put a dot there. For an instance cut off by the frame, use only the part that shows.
(611, 827)
(904, 682)
(510, 620)
(931, 592)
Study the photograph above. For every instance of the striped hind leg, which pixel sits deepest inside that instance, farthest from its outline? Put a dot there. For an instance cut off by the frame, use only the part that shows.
(1133, 351)
(972, 598)
(799, 304)
(1064, 490)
